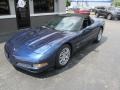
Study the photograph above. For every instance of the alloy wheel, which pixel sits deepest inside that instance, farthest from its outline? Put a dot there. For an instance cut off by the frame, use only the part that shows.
(100, 35)
(109, 17)
(64, 56)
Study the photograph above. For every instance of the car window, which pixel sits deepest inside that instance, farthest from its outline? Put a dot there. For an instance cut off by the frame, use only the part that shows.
(71, 23)
(103, 8)
(111, 8)
(87, 22)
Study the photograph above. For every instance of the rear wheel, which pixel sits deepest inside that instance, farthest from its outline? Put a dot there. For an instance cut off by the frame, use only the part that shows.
(99, 36)
(63, 56)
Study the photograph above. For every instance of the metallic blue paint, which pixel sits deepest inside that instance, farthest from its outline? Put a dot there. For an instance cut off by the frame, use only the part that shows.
(40, 45)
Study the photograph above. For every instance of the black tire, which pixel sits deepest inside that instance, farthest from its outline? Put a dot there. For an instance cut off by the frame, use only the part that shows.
(97, 15)
(109, 17)
(58, 64)
(98, 38)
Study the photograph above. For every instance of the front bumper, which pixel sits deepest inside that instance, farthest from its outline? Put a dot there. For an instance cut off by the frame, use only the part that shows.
(117, 16)
(32, 70)
(27, 66)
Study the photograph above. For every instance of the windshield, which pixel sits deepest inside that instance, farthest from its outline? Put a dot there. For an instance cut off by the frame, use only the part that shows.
(66, 23)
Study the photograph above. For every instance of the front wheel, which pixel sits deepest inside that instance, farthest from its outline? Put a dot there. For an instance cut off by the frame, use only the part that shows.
(99, 36)
(63, 56)
(109, 17)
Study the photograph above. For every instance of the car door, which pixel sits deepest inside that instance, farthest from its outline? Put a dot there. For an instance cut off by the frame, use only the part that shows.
(103, 11)
(106, 11)
(81, 34)
(88, 31)
(110, 10)
(84, 34)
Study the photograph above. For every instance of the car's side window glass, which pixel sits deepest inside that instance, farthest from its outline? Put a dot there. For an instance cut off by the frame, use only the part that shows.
(110, 8)
(101, 8)
(86, 22)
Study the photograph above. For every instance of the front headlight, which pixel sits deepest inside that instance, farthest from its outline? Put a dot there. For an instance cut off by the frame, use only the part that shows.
(40, 65)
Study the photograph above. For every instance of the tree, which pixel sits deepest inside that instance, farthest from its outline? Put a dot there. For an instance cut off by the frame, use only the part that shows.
(68, 3)
(116, 2)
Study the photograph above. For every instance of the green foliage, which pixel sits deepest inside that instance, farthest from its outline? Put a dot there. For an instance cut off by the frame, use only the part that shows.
(117, 3)
(68, 3)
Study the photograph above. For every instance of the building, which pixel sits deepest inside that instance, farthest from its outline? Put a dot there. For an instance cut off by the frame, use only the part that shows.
(90, 3)
(19, 14)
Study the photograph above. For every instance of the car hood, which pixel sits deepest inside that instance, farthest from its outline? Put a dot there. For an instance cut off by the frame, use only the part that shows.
(33, 45)
(36, 38)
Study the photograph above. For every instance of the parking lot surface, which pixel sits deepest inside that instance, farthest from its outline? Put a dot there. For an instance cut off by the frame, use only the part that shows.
(95, 67)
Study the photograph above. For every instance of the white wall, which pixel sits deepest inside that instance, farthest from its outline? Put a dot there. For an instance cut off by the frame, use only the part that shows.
(61, 6)
(12, 7)
(31, 6)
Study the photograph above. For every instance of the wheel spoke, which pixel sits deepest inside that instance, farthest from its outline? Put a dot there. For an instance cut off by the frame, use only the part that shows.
(64, 56)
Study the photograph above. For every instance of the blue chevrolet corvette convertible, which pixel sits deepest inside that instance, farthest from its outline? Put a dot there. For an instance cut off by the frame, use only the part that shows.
(37, 49)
